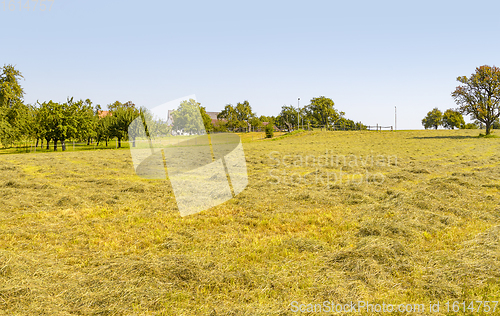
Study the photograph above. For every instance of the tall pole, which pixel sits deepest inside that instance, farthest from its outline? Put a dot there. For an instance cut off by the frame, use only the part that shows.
(395, 119)
(298, 113)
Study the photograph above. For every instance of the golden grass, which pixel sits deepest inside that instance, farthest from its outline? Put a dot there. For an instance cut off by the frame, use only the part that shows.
(81, 234)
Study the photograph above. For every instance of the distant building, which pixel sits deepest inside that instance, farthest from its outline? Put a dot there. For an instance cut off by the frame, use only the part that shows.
(102, 114)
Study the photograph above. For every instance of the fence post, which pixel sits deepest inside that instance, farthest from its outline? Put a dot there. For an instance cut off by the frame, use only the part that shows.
(377, 127)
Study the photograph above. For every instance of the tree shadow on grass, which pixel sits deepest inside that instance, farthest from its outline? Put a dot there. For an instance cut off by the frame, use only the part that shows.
(444, 137)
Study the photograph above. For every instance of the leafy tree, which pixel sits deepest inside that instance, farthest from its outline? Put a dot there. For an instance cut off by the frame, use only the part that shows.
(496, 124)
(122, 116)
(479, 95)
(432, 119)
(229, 114)
(452, 119)
(269, 119)
(42, 123)
(11, 91)
(288, 117)
(62, 121)
(470, 126)
(239, 116)
(269, 130)
(7, 132)
(244, 114)
(321, 111)
(255, 123)
(207, 120)
(103, 129)
(220, 126)
(187, 117)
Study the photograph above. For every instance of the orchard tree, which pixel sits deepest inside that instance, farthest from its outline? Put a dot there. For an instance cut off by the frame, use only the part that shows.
(479, 95)
(452, 119)
(7, 132)
(103, 129)
(11, 105)
(11, 91)
(432, 119)
(121, 117)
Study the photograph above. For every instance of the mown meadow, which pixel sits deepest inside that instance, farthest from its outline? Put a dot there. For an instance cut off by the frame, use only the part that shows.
(415, 218)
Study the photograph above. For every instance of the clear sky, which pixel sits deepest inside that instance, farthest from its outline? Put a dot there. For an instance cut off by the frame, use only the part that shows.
(368, 56)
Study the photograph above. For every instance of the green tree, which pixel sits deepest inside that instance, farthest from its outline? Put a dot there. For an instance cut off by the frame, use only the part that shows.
(237, 117)
(269, 119)
(122, 116)
(269, 130)
(244, 114)
(255, 123)
(321, 111)
(288, 117)
(470, 126)
(479, 95)
(432, 119)
(7, 132)
(103, 129)
(187, 117)
(496, 124)
(207, 120)
(42, 123)
(11, 91)
(230, 116)
(452, 119)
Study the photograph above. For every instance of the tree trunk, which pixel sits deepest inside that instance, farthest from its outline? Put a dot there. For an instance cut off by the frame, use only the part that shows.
(119, 142)
(63, 145)
(106, 142)
(48, 141)
(133, 142)
(488, 127)
(36, 142)
(55, 144)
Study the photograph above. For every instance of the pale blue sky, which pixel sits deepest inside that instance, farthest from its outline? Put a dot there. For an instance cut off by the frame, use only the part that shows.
(367, 56)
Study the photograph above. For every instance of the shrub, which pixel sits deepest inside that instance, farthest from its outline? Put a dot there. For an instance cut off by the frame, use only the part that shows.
(470, 126)
(269, 130)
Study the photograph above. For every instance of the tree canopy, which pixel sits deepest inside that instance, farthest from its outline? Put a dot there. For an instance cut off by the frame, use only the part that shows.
(452, 119)
(321, 111)
(11, 91)
(187, 117)
(479, 95)
(432, 119)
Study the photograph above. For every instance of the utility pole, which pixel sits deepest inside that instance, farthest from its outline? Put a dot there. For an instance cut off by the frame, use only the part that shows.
(298, 113)
(395, 119)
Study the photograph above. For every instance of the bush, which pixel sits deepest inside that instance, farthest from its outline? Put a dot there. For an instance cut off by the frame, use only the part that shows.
(470, 126)
(269, 130)
(495, 125)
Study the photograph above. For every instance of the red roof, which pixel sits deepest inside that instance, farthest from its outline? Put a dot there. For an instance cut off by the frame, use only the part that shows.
(104, 113)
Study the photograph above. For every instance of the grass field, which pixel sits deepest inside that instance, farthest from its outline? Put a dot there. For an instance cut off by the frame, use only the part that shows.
(414, 219)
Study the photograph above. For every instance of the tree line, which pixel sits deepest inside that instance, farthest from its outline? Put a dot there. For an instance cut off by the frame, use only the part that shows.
(55, 122)
(320, 112)
(81, 120)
